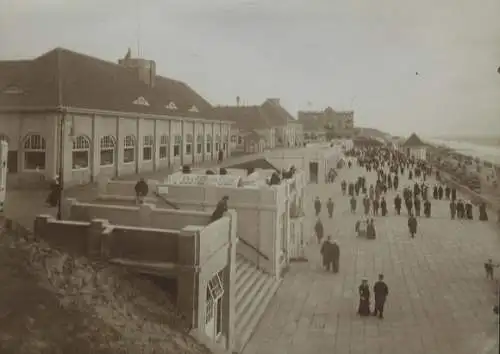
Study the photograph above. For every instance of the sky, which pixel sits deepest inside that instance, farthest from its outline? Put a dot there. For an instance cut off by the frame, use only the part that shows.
(347, 54)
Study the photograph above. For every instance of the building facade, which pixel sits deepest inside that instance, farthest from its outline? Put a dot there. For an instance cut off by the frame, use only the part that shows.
(101, 119)
(317, 123)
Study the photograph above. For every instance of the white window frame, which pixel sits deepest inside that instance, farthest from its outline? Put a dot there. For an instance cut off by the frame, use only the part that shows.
(178, 144)
(164, 143)
(209, 144)
(215, 291)
(148, 144)
(34, 143)
(199, 144)
(80, 144)
(189, 144)
(129, 145)
(107, 143)
(217, 143)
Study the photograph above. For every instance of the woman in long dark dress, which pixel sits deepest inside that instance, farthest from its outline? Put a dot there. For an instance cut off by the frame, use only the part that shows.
(364, 299)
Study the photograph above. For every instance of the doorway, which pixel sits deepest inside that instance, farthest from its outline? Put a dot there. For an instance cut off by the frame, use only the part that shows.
(313, 172)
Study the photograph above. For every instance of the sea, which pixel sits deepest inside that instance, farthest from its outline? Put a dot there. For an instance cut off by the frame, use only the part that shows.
(483, 152)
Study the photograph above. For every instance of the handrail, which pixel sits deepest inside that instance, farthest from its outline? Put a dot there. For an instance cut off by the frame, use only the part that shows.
(259, 252)
(172, 204)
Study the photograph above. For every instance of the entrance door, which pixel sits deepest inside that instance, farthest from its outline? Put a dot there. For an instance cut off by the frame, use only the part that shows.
(313, 172)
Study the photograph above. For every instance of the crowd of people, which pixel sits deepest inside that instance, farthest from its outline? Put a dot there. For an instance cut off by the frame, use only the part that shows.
(414, 197)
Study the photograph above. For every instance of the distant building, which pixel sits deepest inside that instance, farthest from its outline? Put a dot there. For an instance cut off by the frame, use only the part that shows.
(316, 123)
(115, 118)
(415, 147)
(275, 126)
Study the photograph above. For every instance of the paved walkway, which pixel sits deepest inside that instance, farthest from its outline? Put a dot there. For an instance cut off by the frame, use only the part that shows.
(439, 301)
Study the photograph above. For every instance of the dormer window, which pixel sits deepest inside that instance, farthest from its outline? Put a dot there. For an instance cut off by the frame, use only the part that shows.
(193, 109)
(171, 105)
(12, 90)
(141, 101)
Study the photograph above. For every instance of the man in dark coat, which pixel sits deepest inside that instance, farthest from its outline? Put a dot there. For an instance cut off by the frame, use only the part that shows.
(416, 203)
(395, 182)
(326, 253)
(335, 257)
(453, 194)
(409, 206)
(416, 190)
(375, 206)
(468, 210)
(483, 215)
(220, 209)
(55, 193)
(383, 207)
(141, 190)
(343, 186)
(366, 205)
(435, 194)
(318, 228)
(453, 209)
(412, 225)
(353, 202)
(460, 209)
(381, 291)
(397, 204)
(317, 206)
(440, 192)
(447, 192)
(330, 206)
(427, 208)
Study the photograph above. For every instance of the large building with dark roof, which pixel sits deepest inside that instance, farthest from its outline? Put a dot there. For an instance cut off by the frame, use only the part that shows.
(315, 123)
(116, 118)
(269, 121)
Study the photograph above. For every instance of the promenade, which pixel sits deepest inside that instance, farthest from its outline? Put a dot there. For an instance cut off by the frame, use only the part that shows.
(439, 300)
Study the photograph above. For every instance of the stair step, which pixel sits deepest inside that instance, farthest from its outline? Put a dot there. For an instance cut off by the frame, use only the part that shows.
(240, 262)
(241, 266)
(243, 278)
(248, 298)
(247, 325)
(247, 288)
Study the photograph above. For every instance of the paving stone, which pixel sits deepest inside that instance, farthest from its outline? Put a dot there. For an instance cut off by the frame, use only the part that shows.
(439, 301)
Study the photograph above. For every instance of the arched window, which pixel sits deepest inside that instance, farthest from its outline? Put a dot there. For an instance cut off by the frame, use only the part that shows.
(147, 148)
(129, 149)
(107, 150)
(199, 144)
(34, 152)
(81, 152)
(164, 147)
(209, 144)
(189, 144)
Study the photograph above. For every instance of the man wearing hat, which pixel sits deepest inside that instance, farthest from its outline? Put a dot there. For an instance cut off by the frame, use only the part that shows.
(381, 290)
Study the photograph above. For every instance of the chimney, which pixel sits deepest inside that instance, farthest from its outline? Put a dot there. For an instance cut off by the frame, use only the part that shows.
(145, 69)
(237, 101)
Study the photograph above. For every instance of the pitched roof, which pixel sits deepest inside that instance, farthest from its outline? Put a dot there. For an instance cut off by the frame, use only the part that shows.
(413, 141)
(92, 83)
(278, 115)
(246, 117)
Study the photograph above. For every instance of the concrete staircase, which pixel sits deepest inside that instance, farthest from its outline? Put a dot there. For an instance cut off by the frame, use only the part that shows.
(254, 291)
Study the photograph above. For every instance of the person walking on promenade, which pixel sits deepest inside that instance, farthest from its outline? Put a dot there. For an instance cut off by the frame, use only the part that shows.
(383, 207)
(335, 257)
(412, 225)
(427, 208)
(447, 192)
(417, 204)
(483, 215)
(364, 298)
(453, 194)
(326, 253)
(371, 233)
(468, 210)
(330, 206)
(353, 202)
(381, 291)
(395, 182)
(343, 186)
(318, 228)
(453, 209)
(141, 191)
(397, 204)
(460, 209)
(375, 206)
(317, 206)
(366, 204)
(440, 192)
(435, 193)
(489, 268)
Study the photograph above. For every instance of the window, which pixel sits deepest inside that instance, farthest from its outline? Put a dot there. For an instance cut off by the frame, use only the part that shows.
(129, 149)
(193, 109)
(177, 145)
(147, 148)
(163, 147)
(199, 144)
(141, 101)
(34, 152)
(240, 140)
(215, 291)
(81, 152)
(233, 138)
(209, 144)
(171, 106)
(189, 144)
(217, 142)
(107, 145)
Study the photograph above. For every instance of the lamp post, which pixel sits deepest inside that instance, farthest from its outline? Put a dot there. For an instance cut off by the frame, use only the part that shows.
(61, 162)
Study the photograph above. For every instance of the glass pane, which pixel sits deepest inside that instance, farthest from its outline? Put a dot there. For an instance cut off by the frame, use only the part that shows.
(34, 160)
(80, 159)
(177, 150)
(128, 155)
(188, 149)
(199, 148)
(107, 157)
(163, 152)
(147, 153)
